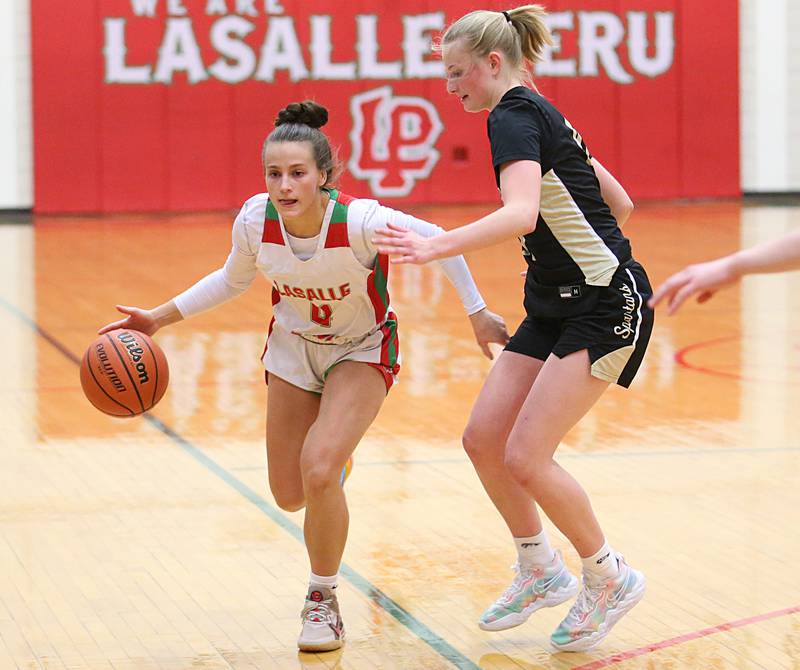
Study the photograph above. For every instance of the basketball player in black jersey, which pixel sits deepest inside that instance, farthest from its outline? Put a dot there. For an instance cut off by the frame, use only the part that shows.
(587, 323)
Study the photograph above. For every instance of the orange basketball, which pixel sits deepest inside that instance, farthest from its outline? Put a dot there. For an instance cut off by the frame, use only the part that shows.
(124, 373)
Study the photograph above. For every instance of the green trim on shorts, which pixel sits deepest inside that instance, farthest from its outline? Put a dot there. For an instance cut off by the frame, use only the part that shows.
(345, 360)
(380, 281)
(328, 371)
(391, 347)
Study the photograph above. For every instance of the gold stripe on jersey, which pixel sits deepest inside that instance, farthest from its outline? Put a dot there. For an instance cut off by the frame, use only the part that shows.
(574, 233)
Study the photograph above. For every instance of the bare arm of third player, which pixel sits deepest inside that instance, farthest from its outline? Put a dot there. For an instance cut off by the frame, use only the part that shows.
(705, 279)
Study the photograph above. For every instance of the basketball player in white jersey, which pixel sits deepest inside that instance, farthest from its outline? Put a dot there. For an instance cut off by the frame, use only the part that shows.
(332, 351)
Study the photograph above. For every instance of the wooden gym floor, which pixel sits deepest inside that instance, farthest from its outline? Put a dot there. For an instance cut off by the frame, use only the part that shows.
(154, 542)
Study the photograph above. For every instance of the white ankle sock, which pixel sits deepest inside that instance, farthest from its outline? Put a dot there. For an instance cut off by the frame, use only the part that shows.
(534, 550)
(603, 563)
(329, 582)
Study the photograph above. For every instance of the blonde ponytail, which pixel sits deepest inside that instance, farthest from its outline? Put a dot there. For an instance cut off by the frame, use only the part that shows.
(520, 33)
(528, 20)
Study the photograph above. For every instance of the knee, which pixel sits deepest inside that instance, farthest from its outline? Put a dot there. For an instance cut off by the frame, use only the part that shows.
(319, 475)
(289, 499)
(527, 471)
(289, 503)
(478, 443)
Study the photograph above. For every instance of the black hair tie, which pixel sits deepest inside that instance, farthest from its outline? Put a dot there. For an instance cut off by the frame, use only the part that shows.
(508, 18)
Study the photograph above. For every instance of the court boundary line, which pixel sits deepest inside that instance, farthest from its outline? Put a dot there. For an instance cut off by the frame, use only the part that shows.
(681, 358)
(437, 643)
(623, 656)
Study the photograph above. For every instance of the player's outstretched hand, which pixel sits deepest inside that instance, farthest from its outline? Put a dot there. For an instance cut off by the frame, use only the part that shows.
(136, 319)
(488, 327)
(402, 245)
(702, 279)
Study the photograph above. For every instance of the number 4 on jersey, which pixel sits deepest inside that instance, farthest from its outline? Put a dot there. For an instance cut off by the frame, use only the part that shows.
(321, 314)
(579, 141)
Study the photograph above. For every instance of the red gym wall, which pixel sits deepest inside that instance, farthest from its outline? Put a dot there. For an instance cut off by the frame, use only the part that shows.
(163, 104)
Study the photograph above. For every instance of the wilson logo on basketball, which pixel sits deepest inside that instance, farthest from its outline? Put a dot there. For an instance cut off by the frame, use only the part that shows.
(393, 140)
(135, 352)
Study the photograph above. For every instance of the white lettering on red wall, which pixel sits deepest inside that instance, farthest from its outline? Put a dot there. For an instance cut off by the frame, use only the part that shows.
(164, 104)
(607, 44)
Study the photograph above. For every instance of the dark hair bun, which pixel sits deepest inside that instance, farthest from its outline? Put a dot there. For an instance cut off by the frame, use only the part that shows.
(308, 113)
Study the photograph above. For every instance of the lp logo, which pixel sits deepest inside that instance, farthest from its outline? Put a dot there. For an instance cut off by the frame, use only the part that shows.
(393, 140)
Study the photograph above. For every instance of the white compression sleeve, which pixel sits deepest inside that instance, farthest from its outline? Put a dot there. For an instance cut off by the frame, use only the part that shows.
(210, 291)
(455, 268)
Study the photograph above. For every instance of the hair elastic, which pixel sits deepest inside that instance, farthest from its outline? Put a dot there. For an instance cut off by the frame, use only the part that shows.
(508, 18)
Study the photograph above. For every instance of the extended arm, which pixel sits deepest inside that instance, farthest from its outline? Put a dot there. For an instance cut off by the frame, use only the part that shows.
(220, 286)
(487, 326)
(520, 185)
(704, 279)
(455, 268)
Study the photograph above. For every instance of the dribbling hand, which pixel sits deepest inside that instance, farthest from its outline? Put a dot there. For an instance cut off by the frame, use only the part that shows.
(136, 319)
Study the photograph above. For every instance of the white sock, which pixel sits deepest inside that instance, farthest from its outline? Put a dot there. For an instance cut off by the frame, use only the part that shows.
(328, 582)
(534, 550)
(603, 563)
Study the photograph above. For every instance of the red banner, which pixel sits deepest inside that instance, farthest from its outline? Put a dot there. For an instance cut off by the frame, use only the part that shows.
(164, 104)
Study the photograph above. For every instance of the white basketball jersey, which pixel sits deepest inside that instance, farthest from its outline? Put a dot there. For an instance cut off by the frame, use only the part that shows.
(331, 297)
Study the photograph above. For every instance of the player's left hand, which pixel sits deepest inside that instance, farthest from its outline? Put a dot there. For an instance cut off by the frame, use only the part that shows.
(402, 245)
(488, 327)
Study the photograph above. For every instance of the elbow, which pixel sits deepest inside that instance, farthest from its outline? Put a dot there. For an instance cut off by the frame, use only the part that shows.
(625, 210)
(526, 217)
(622, 211)
(628, 207)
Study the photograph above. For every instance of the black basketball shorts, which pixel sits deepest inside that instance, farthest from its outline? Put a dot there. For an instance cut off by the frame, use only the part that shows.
(615, 328)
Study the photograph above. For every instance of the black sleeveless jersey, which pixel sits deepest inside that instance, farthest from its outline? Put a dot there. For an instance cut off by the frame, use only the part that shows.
(577, 239)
